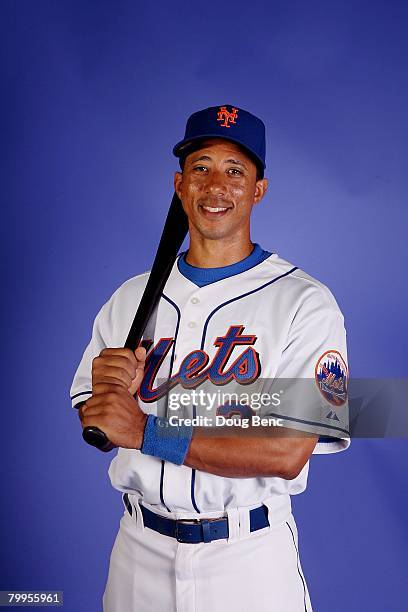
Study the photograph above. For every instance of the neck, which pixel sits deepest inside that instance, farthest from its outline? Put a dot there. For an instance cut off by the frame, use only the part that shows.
(205, 253)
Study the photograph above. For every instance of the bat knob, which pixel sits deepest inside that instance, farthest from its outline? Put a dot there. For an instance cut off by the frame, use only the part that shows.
(96, 437)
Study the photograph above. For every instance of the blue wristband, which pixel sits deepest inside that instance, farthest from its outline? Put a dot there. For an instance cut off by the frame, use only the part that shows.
(168, 442)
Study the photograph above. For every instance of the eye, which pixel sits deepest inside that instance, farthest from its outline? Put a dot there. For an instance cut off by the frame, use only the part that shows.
(200, 168)
(234, 172)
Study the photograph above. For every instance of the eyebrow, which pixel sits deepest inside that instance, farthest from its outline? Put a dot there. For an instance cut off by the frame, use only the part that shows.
(227, 161)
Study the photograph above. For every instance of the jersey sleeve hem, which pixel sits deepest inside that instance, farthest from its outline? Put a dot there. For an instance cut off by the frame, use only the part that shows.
(80, 397)
(325, 446)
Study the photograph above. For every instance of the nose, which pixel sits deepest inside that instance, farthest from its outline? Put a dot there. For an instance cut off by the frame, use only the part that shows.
(216, 184)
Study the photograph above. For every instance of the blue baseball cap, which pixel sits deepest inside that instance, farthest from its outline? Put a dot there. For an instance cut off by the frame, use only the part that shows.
(228, 122)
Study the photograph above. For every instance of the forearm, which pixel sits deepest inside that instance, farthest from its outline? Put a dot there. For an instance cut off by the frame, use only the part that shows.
(264, 453)
(256, 451)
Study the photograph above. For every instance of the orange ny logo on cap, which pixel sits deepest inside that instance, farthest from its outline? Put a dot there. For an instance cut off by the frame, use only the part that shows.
(224, 115)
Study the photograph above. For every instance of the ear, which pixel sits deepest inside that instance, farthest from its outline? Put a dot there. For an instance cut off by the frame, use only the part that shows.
(178, 179)
(261, 188)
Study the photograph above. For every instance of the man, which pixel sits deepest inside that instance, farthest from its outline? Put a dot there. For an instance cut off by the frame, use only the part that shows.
(207, 522)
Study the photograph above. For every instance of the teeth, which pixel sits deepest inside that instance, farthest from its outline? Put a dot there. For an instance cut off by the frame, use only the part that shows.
(211, 209)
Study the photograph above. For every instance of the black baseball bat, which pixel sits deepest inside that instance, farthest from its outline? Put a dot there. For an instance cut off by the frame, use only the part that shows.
(174, 232)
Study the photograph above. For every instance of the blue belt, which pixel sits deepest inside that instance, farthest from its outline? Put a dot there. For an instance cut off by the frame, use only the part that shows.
(194, 531)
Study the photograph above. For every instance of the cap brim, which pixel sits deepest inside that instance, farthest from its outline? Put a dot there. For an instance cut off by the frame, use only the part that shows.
(183, 144)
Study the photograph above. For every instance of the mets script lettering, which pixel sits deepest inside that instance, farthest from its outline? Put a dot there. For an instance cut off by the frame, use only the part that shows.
(195, 367)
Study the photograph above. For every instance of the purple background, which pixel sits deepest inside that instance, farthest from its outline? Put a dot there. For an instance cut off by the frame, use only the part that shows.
(94, 95)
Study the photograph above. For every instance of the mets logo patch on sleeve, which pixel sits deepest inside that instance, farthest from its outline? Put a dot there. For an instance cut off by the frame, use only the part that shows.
(331, 376)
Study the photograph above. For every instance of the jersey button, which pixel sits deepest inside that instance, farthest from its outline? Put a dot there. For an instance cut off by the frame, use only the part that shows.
(192, 325)
(195, 300)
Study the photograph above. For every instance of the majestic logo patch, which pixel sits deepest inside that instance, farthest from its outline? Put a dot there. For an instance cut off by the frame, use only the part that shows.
(331, 376)
(226, 116)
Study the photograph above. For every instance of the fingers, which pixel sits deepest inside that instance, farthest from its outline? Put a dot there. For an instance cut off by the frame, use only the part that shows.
(106, 400)
(118, 352)
(117, 364)
(117, 414)
(140, 355)
(112, 375)
(118, 357)
(104, 387)
(96, 419)
(80, 410)
(103, 391)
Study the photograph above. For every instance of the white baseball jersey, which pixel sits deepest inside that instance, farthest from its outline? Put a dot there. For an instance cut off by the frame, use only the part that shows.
(268, 323)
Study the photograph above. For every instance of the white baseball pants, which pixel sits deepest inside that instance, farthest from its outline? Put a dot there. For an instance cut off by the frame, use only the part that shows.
(249, 572)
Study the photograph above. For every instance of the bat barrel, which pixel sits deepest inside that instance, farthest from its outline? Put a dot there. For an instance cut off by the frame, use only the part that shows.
(174, 232)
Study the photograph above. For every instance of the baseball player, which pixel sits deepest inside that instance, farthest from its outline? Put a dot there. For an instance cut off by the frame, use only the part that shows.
(207, 521)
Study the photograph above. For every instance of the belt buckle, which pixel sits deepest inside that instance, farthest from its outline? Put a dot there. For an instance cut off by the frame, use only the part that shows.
(184, 521)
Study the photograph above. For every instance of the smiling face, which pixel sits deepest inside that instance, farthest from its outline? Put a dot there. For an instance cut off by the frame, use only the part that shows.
(218, 188)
